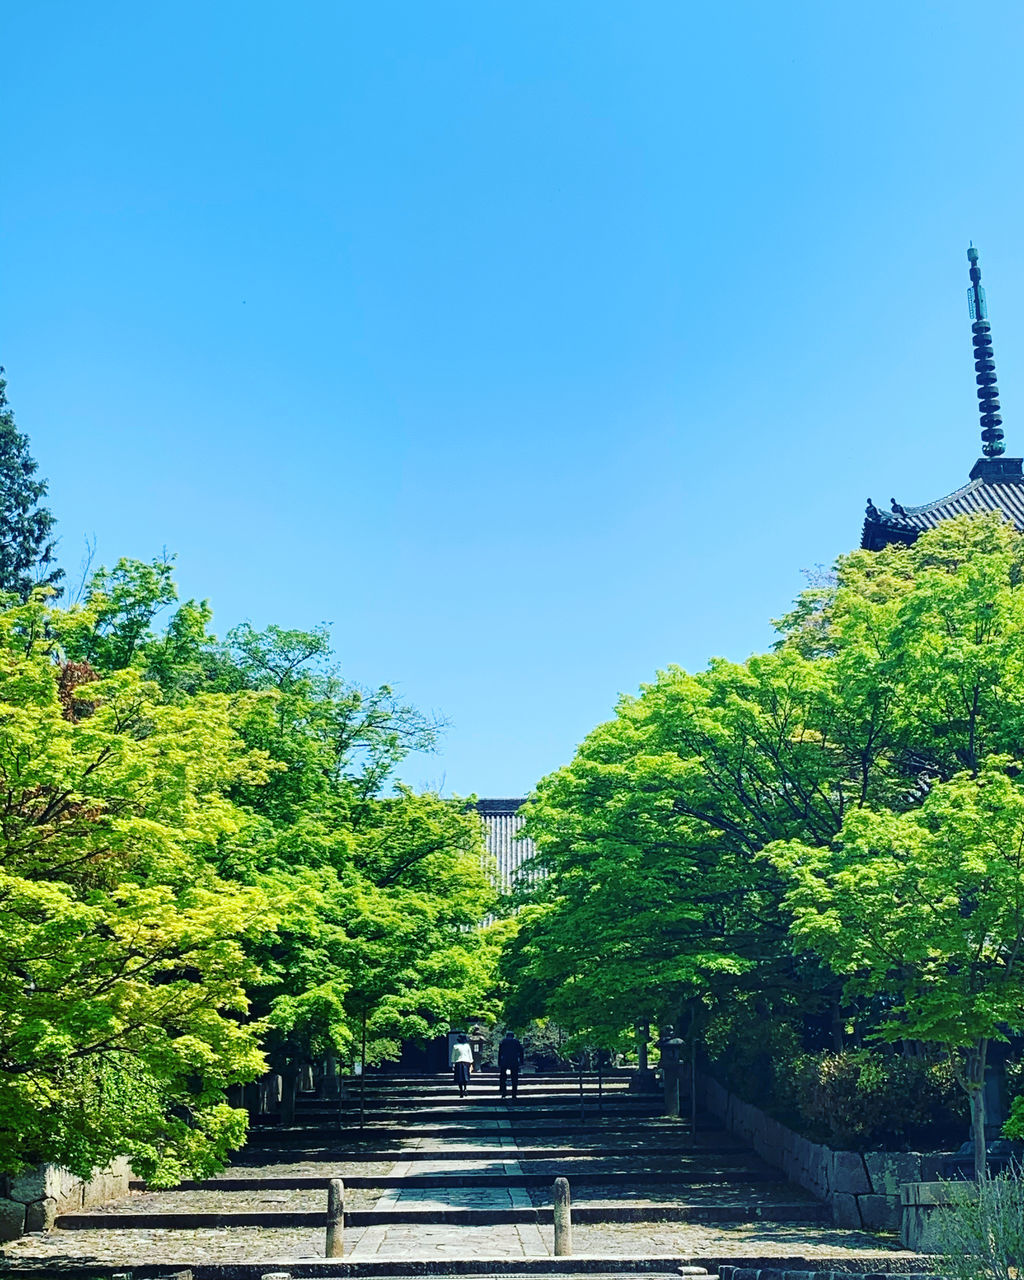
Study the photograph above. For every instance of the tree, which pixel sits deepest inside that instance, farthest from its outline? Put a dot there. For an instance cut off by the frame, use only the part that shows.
(653, 898)
(122, 967)
(899, 674)
(374, 894)
(27, 547)
(926, 907)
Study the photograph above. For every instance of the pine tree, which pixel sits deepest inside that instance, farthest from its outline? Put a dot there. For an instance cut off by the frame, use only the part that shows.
(26, 547)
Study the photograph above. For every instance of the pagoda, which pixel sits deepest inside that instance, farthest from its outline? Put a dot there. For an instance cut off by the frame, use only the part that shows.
(996, 483)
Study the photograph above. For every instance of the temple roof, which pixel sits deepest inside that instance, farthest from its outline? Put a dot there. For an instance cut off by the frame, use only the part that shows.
(996, 483)
(1004, 492)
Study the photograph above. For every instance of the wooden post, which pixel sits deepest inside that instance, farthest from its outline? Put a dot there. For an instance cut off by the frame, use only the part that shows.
(583, 1110)
(362, 1078)
(335, 1244)
(563, 1219)
(600, 1083)
(693, 1088)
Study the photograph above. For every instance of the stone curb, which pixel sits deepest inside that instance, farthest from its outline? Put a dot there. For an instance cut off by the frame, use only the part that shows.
(579, 1178)
(796, 1213)
(353, 1153)
(578, 1264)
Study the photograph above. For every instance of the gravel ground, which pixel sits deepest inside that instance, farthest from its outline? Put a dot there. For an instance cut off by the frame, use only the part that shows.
(680, 1193)
(291, 1201)
(238, 1244)
(310, 1169)
(231, 1244)
(711, 1240)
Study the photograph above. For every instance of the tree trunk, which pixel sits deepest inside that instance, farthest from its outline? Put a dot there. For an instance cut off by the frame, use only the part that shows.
(977, 1100)
(972, 1079)
(290, 1085)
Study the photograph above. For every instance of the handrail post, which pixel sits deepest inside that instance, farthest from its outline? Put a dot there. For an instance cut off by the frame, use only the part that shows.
(563, 1219)
(335, 1243)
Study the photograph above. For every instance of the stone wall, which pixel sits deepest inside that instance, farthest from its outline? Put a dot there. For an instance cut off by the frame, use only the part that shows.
(30, 1201)
(862, 1188)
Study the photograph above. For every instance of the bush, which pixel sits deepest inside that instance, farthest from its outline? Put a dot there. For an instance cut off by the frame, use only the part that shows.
(982, 1237)
(749, 1047)
(859, 1098)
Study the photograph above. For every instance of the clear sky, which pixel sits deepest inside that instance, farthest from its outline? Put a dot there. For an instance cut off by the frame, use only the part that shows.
(534, 345)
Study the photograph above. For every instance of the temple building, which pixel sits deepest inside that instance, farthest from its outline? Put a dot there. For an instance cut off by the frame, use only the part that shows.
(995, 483)
(511, 851)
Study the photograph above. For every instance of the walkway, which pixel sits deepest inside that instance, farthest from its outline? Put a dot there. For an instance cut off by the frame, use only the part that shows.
(430, 1178)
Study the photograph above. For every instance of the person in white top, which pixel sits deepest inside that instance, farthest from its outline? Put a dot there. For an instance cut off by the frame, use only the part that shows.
(461, 1059)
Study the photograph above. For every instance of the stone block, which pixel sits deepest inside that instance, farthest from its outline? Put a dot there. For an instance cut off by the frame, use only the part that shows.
(879, 1213)
(68, 1193)
(30, 1185)
(12, 1219)
(922, 1205)
(817, 1171)
(849, 1173)
(888, 1170)
(41, 1215)
(932, 1165)
(845, 1211)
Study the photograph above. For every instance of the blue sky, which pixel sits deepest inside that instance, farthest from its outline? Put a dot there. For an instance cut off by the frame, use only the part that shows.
(534, 346)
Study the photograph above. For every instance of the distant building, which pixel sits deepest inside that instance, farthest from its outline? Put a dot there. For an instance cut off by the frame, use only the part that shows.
(511, 851)
(995, 483)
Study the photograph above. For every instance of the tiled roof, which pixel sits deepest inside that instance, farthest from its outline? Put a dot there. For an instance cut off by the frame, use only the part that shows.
(502, 823)
(981, 494)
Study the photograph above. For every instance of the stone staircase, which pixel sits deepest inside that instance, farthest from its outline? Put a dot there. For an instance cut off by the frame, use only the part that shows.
(435, 1184)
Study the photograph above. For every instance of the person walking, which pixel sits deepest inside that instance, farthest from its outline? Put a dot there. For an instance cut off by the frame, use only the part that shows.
(461, 1059)
(510, 1059)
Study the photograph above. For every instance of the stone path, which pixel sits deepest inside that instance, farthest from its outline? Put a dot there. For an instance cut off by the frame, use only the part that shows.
(430, 1178)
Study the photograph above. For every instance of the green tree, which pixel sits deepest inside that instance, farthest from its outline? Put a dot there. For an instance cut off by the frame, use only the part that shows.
(27, 547)
(374, 893)
(122, 967)
(927, 908)
(901, 672)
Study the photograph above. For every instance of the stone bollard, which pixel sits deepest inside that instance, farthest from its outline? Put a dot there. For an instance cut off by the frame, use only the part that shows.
(335, 1245)
(563, 1219)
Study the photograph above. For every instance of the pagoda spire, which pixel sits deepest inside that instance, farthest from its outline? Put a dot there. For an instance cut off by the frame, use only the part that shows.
(984, 363)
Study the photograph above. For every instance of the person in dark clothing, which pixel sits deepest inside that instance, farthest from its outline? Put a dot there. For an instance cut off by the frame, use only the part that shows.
(510, 1059)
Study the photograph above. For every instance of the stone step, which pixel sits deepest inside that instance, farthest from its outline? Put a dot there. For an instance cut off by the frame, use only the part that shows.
(280, 1136)
(578, 1177)
(257, 1155)
(422, 1080)
(477, 1099)
(794, 1212)
(478, 1111)
(594, 1267)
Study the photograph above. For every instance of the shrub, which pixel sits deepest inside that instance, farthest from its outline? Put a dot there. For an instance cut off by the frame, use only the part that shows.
(749, 1047)
(860, 1097)
(982, 1237)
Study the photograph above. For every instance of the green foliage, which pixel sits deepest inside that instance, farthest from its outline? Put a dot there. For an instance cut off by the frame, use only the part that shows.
(1014, 1126)
(201, 870)
(982, 1236)
(831, 827)
(926, 905)
(26, 543)
(858, 1098)
(121, 958)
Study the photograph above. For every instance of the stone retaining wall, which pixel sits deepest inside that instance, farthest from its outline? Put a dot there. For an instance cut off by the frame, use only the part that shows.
(30, 1201)
(774, 1273)
(862, 1188)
